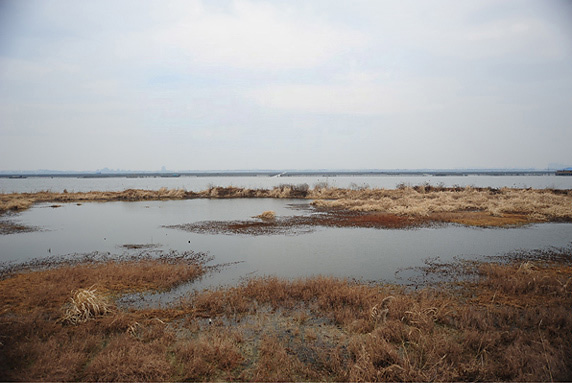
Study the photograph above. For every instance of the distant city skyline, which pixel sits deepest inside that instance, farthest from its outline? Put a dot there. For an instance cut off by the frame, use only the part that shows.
(249, 84)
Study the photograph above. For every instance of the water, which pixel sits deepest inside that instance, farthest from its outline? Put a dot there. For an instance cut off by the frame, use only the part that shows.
(368, 254)
(193, 183)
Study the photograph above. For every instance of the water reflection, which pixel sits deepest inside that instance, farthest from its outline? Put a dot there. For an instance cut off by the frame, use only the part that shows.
(370, 254)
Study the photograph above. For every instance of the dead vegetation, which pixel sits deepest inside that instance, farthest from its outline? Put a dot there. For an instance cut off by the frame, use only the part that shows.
(268, 215)
(49, 283)
(295, 225)
(468, 205)
(417, 205)
(511, 322)
(85, 304)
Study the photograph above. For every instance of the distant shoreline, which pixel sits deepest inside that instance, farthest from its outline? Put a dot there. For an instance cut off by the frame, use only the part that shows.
(310, 173)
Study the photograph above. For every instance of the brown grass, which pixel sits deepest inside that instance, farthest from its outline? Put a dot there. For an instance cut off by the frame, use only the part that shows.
(471, 206)
(511, 323)
(268, 215)
(85, 304)
(51, 287)
(467, 205)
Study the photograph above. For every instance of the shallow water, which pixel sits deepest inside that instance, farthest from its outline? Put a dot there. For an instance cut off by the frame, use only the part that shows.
(367, 254)
(193, 183)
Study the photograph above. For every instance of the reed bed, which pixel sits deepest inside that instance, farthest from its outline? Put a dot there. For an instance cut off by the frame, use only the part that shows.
(467, 205)
(535, 204)
(509, 322)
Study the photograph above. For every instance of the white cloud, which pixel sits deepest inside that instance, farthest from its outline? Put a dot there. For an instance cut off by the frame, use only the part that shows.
(256, 36)
(469, 29)
(519, 35)
(359, 97)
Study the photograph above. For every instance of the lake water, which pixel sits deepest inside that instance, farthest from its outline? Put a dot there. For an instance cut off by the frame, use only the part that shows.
(58, 184)
(368, 254)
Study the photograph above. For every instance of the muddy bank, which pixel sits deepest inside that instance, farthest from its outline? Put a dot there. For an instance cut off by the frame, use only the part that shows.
(510, 321)
(323, 217)
(296, 225)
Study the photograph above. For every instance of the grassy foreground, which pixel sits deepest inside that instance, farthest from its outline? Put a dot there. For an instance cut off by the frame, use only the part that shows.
(401, 207)
(510, 322)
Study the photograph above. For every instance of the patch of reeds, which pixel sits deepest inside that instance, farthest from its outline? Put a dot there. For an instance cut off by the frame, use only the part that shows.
(515, 205)
(85, 304)
(268, 215)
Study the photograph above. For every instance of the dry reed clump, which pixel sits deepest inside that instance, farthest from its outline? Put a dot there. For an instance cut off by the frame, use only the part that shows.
(85, 304)
(268, 215)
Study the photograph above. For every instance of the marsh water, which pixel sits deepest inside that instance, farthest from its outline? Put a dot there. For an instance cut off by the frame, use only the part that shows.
(368, 254)
(360, 253)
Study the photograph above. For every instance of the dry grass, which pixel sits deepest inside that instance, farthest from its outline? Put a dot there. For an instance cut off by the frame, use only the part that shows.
(511, 323)
(85, 304)
(50, 287)
(22, 201)
(467, 205)
(471, 206)
(268, 215)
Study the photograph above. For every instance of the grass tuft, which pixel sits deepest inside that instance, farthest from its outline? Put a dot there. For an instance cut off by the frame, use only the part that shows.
(85, 304)
(268, 215)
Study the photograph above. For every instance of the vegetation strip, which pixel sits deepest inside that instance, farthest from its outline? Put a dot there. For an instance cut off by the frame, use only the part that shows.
(402, 207)
(510, 321)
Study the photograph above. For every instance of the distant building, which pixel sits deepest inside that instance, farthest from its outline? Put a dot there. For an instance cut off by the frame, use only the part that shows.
(564, 172)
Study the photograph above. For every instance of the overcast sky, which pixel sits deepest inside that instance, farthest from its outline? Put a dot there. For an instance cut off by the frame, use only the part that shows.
(205, 85)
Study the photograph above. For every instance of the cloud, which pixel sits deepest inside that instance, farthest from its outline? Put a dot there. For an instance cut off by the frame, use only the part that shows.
(256, 36)
(470, 29)
(362, 96)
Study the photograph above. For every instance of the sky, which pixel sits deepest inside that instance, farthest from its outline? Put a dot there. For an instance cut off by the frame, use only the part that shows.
(309, 84)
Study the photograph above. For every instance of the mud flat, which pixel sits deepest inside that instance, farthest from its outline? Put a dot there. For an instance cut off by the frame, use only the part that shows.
(503, 321)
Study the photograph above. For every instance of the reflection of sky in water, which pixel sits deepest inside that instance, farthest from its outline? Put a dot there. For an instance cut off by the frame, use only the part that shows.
(370, 254)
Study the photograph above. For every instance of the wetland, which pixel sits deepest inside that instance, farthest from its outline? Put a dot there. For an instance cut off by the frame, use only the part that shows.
(287, 283)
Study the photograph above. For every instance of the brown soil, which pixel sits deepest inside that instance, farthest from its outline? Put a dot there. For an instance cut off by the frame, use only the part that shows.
(512, 322)
(352, 219)
(303, 224)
